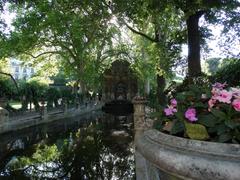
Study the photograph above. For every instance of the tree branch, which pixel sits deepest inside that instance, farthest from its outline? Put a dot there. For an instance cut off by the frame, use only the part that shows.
(113, 53)
(62, 45)
(41, 54)
(15, 83)
(140, 33)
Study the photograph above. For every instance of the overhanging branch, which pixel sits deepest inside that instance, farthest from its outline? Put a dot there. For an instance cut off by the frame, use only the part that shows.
(140, 33)
(41, 54)
(15, 83)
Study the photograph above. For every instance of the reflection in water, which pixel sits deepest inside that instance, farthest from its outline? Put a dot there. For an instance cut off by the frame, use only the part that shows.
(99, 149)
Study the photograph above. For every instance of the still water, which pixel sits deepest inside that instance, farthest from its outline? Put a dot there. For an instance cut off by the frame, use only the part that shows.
(95, 146)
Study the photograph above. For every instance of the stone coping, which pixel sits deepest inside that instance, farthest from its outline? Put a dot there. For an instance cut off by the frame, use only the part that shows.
(33, 120)
(190, 159)
(184, 144)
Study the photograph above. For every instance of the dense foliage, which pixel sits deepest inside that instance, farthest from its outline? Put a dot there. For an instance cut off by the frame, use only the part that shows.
(229, 72)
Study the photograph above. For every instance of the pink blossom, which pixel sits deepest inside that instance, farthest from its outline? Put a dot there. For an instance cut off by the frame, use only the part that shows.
(236, 92)
(173, 102)
(170, 111)
(236, 104)
(218, 85)
(224, 96)
(190, 114)
(211, 103)
(215, 91)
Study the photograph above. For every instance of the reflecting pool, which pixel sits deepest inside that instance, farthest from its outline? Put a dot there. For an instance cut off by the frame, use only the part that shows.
(95, 146)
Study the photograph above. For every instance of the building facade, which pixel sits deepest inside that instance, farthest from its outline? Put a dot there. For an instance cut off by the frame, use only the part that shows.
(20, 71)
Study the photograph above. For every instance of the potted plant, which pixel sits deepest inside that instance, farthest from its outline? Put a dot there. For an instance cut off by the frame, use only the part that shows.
(203, 120)
(205, 114)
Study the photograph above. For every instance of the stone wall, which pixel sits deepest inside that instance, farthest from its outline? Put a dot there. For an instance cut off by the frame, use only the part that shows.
(32, 119)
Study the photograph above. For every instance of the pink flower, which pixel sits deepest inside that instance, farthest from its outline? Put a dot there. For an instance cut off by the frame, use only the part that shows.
(211, 103)
(190, 114)
(224, 96)
(215, 91)
(173, 102)
(170, 111)
(236, 92)
(236, 104)
(219, 85)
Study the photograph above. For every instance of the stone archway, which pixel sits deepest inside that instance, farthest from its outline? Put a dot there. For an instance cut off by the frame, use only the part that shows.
(120, 83)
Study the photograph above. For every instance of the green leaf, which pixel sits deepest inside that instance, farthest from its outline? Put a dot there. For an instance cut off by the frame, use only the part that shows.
(238, 137)
(196, 131)
(180, 97)
(158, 124)
(207, 120)
(231, 124)
(225, 106)
(177, 127)
(225, 137)
(219, 114)
(221, 128)
(179, 115)
(200, 105)
(212, 129)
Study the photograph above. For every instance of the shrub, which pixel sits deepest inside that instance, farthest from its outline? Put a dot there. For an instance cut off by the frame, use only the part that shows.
(229, 72)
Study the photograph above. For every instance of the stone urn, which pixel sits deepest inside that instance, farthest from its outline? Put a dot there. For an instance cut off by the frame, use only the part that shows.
(179, 158)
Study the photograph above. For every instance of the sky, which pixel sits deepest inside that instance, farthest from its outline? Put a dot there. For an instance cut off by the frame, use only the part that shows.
(213, 43)
(8, 18)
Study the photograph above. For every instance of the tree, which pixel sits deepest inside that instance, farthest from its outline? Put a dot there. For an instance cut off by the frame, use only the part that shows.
(212, 65)
(70, 31)
(212, 10)
(5, 72)
(189, 11)
(153, 24)
(76, 33)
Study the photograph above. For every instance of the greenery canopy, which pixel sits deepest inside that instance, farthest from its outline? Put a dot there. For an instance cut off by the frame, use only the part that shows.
(74, 32)
(81, 35)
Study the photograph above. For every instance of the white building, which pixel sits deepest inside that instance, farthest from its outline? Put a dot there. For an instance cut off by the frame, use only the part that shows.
(19, 70)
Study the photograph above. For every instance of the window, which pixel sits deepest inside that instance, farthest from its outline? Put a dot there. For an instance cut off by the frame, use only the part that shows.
(17, 69)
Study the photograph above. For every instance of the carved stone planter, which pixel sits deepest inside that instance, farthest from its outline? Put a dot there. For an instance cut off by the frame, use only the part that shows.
(189, 159)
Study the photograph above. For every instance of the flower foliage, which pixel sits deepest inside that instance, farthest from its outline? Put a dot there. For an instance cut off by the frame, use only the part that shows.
(204, 113)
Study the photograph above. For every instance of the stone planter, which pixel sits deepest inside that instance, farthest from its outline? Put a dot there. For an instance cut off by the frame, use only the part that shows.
(181, 158)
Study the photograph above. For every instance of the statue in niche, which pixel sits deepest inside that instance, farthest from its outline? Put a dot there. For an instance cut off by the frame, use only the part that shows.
(120, 83)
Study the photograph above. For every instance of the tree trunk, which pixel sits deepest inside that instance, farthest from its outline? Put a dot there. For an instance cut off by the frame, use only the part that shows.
(160, 90)
(194, 65)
